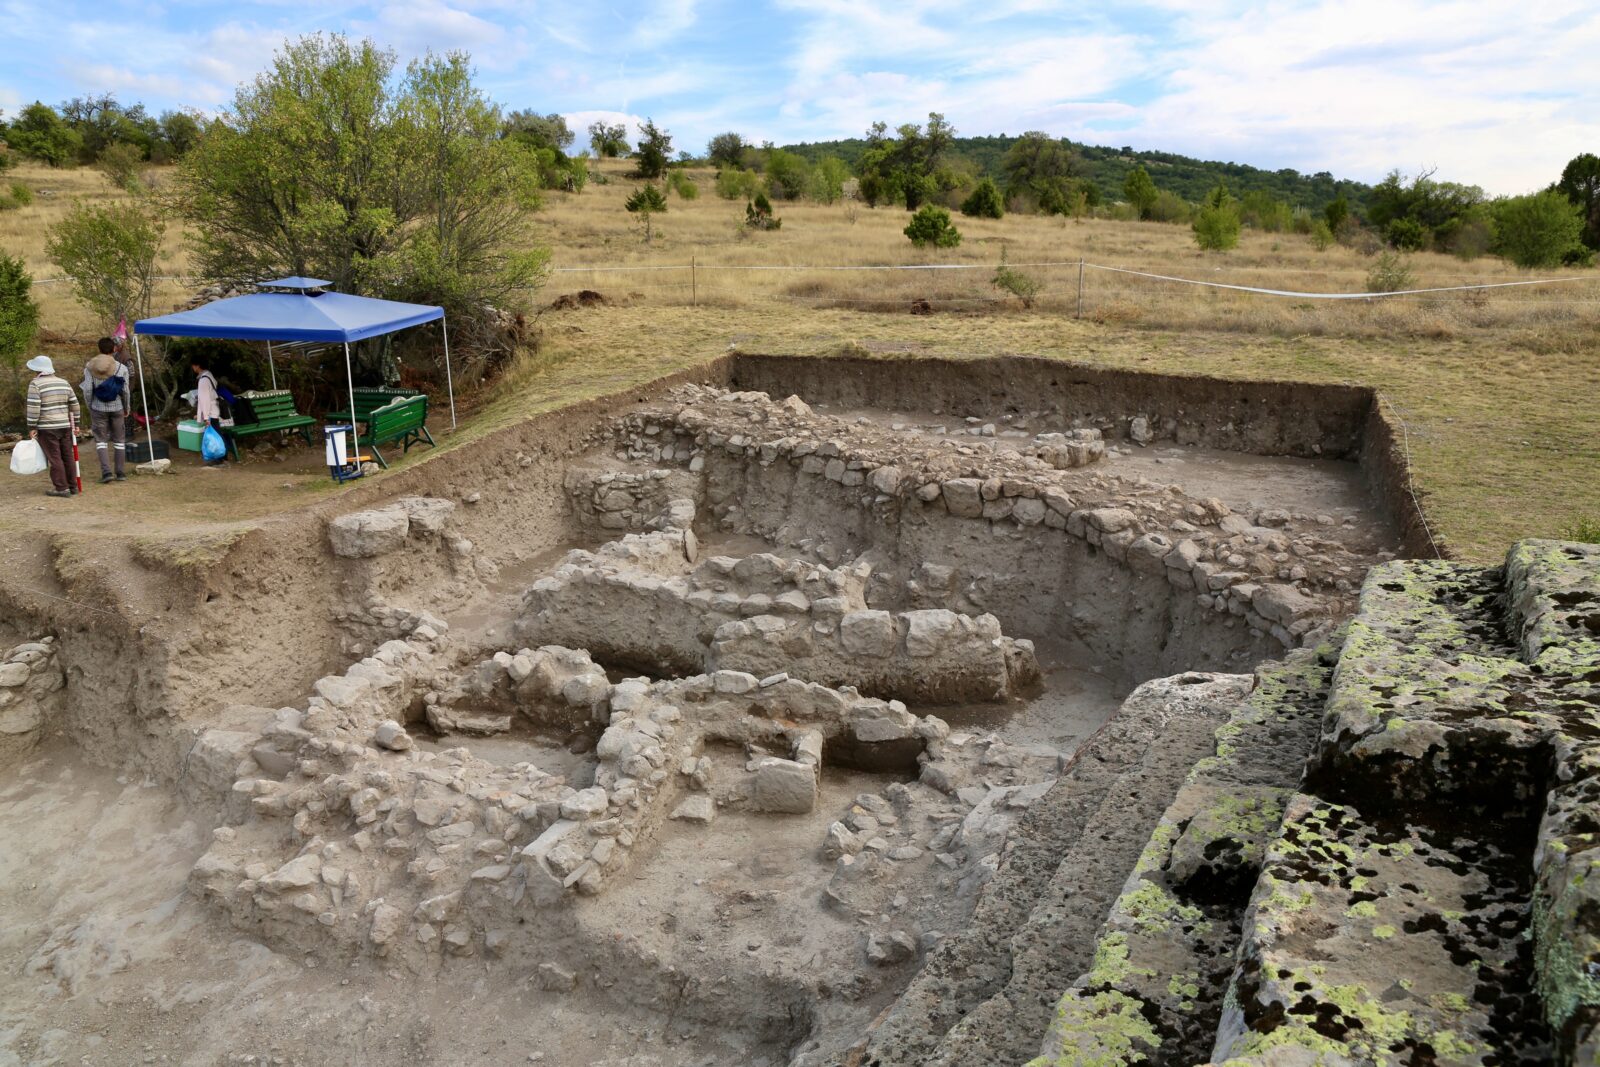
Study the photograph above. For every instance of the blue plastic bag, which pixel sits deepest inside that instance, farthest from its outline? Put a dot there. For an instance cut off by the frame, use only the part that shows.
(212, 447)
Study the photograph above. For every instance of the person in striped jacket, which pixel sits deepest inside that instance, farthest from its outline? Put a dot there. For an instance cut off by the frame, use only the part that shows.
(52, 413)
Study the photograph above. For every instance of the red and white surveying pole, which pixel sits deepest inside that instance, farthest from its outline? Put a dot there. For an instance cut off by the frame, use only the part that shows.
(77, 468)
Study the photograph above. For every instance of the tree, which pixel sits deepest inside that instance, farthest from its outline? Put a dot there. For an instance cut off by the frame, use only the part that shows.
(109, 252)
(787, 174)
(1216, 225)
(758, 214)
(1040, 168)
(909, 167)
(19, 321)
(984, 201)
(931, 225)
(1334, 214)
(827, 180)
(1580, 183)
(1537, 230)
(733, 183)
(180, 131)
(1140, 190)
(645, 202)
(540, 131)
(124, 164)
(727, 150)
(327, 166)
(42, 134)
(608, 142)
(101, 121)
(655, 150)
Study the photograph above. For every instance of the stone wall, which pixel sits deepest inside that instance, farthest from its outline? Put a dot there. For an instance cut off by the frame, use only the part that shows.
(31, 696)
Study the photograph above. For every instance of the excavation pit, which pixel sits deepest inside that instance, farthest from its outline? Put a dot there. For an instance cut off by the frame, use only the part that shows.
(728, 722)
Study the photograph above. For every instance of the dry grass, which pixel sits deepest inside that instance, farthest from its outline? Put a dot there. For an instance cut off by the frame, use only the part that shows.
(1497, 390)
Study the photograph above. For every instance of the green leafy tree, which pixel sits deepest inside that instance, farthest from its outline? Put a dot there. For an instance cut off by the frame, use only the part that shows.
(1537, 230)
(727, 150)
(1216, 224)
(655, 150)
(646, 202)
(827, 180)
(540, 131)
(984, 201)
(19, 321)
(102, 121)
(1139, 189)
(328, 166)
(788, 175)
(1580, 183)
(736, 184)
(109, 252)
(908, 168)
(40, 133)
(180, 131)
(1041, 169)
(1334, 214)
(608, 141)
(931, 225)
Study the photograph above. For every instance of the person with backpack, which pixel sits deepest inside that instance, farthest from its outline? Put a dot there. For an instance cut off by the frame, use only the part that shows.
(105, 387)
(207, 403)
(52, 411)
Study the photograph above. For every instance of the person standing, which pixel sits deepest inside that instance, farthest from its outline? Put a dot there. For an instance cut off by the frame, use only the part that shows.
(52, 411)
(207, 409)
(105, 389)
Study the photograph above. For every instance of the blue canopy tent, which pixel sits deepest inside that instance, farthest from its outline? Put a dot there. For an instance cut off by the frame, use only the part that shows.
(301, 314)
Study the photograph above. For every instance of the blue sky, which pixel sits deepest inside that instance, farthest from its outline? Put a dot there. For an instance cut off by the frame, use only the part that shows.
(1491, 92)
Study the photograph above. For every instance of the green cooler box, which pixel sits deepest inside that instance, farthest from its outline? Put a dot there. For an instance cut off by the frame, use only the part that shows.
(189, 432)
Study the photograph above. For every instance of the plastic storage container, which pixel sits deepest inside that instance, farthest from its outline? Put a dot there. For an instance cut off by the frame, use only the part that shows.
(189, 432)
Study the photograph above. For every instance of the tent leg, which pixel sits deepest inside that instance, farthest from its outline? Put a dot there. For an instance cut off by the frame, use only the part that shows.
(272, 364)
(448, 380)
(144, 401)
(350, 383)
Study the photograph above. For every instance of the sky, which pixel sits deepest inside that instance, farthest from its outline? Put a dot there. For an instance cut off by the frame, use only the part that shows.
(1497, 93)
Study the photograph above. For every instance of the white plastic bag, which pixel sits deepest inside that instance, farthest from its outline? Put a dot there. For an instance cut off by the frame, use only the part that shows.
(27, 458)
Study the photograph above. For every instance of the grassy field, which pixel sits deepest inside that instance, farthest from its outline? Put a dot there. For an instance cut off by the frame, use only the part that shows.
(1497, 389)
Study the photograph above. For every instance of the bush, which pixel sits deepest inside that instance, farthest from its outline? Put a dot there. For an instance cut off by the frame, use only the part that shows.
(736, 184)
(984, 201)
(1321, 236)
(19, 320)
(758, 214)
(1585, 530)
(124, 164)
(1216, 226)
(109, 251)
(1140, 191)
(655, 149)
(788, 175)
(1466, 238)
(1009, 280)
(21, 195)
(1170, 207)
(931, 225)
(683, 185)
(1407, 234)
(646, 202)
(1390, 274)
(827, 180)
(1537, 230)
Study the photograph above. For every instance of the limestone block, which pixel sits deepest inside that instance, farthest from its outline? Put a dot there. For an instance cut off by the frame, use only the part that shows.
(785, 786)
(868, 633)
(365, 534)
(928, 630)
(963, 497)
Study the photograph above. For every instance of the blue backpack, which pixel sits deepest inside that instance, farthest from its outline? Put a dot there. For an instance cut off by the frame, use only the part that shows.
(110, 389)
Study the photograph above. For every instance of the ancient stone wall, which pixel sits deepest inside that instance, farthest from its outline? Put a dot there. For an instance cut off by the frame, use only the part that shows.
(31, 696)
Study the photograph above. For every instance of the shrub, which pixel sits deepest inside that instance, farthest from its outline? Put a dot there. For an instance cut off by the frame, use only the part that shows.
(931, 225)
(1216, 226)
(827, 180)
(21, 195)
(1140, 191)
(109, 252)
(683, 185)
(1170, 207)
(1390, 274)
(1537, 230)
(655, 149)
(124, 164)
(758, 214)
(1321, 236)
(787, 174)
(1407, 234)
(19, 320)
(1585, 529)
(736, 184)
(984, 201)
(1335, 213)
(1007, 279)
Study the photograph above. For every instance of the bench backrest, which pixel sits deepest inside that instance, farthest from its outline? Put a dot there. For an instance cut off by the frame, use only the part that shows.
(271, 404)
(370, 398)
(398, 416)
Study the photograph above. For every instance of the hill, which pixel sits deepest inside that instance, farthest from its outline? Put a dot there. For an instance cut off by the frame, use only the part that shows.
(1107, 167)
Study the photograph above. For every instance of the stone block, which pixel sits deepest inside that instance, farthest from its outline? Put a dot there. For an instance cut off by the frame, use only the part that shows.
(785, 786)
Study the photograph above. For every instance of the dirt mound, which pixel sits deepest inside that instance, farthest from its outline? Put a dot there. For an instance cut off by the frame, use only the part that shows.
(921, 306)
(583, 298)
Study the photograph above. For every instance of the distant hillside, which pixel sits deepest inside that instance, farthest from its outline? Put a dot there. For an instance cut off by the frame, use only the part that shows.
(1107, 167)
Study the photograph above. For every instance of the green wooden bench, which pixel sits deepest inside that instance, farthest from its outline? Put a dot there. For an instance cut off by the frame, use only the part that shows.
(368, 398)
(274, 412)
(402, 420)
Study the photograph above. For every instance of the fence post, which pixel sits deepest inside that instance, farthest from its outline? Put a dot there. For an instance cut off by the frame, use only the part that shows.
(694, 285)
(1080, 287)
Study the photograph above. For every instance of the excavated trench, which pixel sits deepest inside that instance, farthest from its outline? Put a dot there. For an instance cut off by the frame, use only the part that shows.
(788, 712)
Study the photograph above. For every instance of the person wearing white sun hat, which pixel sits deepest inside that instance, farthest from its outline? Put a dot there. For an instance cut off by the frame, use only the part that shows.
(52, 412)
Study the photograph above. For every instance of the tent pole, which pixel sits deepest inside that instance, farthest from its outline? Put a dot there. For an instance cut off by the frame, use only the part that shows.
(144, 401)
(273, 365)
(350, 383)
(448, 381)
